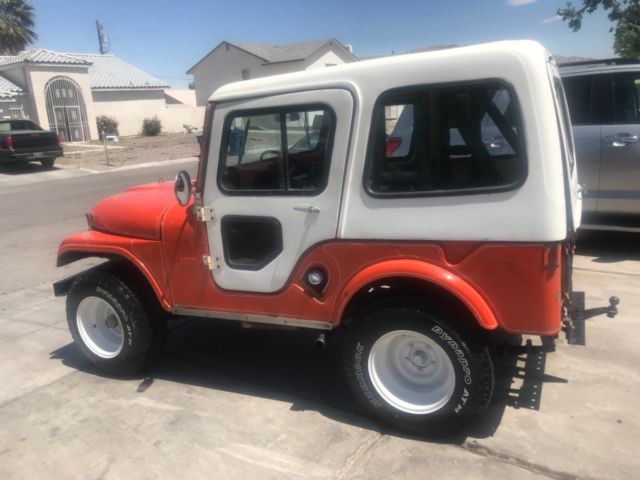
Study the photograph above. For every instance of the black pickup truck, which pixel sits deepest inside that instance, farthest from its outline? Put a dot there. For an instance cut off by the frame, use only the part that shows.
(24, 141)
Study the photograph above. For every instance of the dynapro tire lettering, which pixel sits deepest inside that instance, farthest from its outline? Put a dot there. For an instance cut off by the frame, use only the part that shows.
(462, 360)
(357, 366)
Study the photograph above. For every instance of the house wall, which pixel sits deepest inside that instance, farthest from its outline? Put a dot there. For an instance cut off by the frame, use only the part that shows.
(326, 55)
(223, 65)
(37, 78)
(131, 107)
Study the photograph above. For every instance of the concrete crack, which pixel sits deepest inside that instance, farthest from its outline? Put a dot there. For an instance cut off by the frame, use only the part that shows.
(482, 451)
(359, 457)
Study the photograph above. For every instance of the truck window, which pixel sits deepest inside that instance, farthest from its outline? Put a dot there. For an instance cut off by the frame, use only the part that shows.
(578, 91)
(445, 140)
(277, 152)
(626, 98)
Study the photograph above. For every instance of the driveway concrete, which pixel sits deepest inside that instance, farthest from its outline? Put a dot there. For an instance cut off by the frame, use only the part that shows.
(265, 404)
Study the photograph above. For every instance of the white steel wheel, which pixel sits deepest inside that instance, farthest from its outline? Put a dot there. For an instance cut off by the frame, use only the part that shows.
(411, 372)
(100, 327)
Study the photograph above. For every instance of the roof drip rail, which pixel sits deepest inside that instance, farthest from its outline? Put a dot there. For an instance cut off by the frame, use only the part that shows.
(604, 61)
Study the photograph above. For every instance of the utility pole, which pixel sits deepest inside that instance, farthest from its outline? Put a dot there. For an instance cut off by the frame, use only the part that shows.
(103, 38)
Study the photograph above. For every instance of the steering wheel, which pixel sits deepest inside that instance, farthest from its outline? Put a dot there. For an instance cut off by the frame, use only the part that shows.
(274, 153)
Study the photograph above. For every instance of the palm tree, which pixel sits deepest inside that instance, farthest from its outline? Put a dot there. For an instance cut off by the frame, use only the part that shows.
(16, 26)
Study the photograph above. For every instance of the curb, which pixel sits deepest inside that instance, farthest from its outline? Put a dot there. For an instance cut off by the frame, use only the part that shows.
(132, 167)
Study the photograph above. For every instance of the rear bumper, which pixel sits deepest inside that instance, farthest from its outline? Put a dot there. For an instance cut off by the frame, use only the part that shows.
(10, 157)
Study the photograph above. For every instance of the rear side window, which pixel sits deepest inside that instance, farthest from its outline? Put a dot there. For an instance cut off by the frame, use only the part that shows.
(277, 152)
(435, 140)
(626, 88)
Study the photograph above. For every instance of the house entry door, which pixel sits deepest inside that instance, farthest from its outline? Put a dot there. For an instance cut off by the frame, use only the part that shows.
(66, 110)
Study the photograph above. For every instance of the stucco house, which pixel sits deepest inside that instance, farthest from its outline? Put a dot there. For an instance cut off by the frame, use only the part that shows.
(65, 92)
(229, 62)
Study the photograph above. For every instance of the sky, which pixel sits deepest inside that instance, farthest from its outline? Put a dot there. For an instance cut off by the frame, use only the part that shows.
(165, 39)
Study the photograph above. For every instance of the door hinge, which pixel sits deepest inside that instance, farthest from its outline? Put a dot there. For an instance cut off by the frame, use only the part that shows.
(211, 263)
(205, 214)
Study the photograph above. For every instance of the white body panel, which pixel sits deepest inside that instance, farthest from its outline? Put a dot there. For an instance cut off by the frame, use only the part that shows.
(534, 212)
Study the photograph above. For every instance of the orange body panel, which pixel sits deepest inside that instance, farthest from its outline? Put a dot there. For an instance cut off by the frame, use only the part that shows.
(514, 287)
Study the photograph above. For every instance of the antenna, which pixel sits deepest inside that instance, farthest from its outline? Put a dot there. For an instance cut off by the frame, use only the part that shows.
(103, 38)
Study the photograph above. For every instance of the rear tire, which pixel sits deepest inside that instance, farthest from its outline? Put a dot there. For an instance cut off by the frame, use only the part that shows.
(411, 370)
(110, 324)
(48, 162)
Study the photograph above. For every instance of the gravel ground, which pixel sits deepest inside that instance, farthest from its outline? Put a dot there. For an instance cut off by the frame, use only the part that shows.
(130, 151)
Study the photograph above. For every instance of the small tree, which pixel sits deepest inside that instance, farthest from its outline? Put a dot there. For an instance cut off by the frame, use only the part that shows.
(151, 127)
(108, 125)
(625, 14)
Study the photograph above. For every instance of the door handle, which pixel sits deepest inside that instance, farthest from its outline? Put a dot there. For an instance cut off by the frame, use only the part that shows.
(304, 207)
(621, 139)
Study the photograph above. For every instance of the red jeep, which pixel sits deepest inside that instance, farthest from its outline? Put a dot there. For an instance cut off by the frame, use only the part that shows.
(424, 203)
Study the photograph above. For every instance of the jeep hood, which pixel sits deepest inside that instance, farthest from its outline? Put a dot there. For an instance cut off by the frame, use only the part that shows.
(137, 212)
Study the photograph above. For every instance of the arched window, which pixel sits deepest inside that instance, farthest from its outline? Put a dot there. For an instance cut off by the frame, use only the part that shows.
(66, 110)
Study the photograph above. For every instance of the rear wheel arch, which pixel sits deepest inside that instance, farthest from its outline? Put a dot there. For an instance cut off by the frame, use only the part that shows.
(414, 278)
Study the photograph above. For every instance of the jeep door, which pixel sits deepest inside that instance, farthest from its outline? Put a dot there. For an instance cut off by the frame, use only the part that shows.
(619, 190)
(274, 180)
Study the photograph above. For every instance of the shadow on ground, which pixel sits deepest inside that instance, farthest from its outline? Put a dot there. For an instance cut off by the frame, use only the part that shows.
(286, 366)
(608, 246)
(22, 168)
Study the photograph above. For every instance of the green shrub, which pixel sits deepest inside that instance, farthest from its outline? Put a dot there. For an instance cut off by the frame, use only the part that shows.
(108, 125)
(151, 127)
(188, 127)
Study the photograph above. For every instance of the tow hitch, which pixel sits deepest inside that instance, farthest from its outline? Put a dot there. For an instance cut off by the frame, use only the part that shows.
(573, 323)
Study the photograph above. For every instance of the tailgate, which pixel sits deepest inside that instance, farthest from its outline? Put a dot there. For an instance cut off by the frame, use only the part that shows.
(34, 141)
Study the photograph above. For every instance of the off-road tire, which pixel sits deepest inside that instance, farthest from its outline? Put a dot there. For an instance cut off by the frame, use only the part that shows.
(144, 329)
(474, 376)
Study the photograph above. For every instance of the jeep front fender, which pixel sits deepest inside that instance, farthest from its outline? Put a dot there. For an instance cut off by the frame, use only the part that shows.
(427, 272)
(145, 255)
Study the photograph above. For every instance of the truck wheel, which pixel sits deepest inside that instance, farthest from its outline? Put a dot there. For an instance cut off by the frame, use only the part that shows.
(412, 371)
(48, 163)
(111, 326)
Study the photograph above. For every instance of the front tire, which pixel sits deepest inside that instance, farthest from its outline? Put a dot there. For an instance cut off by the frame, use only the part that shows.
(411, 370)
(110, 324)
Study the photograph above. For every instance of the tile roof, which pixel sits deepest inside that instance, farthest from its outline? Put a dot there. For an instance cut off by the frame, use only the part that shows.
(105, 71)
(108, 71)
(282, 53)
(41, 56)
(8, 88)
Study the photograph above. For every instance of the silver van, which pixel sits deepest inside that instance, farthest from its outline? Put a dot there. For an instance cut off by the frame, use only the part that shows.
(604, 102)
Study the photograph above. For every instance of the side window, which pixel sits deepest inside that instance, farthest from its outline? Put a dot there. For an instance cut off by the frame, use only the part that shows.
(626, 88)
(277, 152)
(578, 92)
(445, 139)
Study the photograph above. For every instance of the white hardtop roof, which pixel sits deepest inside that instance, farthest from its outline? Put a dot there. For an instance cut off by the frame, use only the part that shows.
(353, 74)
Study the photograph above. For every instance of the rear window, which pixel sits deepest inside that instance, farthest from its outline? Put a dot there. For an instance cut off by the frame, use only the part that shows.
(449, 139)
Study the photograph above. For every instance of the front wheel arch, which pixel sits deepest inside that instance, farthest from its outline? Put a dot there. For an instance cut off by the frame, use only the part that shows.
(124, 266)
